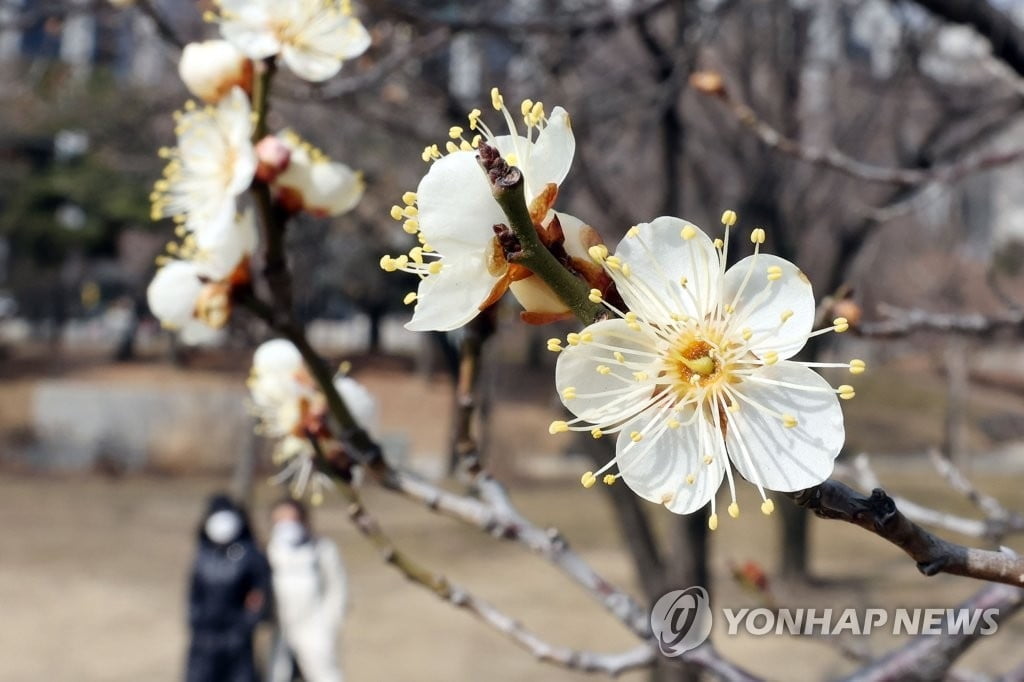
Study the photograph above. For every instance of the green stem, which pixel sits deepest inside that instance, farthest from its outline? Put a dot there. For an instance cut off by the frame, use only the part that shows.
(261, 97)
(509, 192)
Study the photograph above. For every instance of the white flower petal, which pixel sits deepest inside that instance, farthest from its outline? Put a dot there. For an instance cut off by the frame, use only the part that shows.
(277, 356)
(455, 204)
(552, 153)
(173, 292)
(452, 297)
(660, 468)
(310, 65)
(762, 304)
(658, 258)
(210, 68)
(221, 251)
(781, 458)
(596, 392)
(247, 25)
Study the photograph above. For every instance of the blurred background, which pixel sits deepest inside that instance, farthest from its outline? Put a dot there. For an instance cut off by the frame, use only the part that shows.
(879, 143)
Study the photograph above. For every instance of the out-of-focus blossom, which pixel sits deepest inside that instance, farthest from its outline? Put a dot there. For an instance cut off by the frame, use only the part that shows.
(210, 69)
(213, 163)
(695, 378)
(461, 265)
(311, 182)
(291, 409)
(313, 37)
(191, 291)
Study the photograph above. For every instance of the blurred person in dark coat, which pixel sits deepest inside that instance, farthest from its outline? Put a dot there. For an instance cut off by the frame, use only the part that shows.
(310, 596)
(229, 595)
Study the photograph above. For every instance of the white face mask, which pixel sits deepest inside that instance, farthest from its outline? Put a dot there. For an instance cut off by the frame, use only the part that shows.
(288, 533)
(223, 526)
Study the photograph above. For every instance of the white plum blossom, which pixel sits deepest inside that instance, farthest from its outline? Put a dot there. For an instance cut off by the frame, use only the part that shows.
(191, 291)
(291, 409)
(213, 163)
(313, 37)
(311, 182)
(461, 266)
(696, 378)
(211, 68)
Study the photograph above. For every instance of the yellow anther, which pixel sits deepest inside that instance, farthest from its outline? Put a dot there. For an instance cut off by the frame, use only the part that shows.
(747, 333)
(411, 226)
(210, 17)
(598, 253)
(588, 479)
(767, 507)
(673, 423)
(416, 254)
(688, 232)
(734, 510)
(609, 479)
(497, 101)
(857, 367)
(708, 459)
(770, 358)
(451, 147)
(596, 433)
(573, 338)
(683, 281)
(730, 308)
(435, 267)
(587, 337)
(703, 365)
(409, 298)
(789, 421)
(626, 270)
(846, 392)
(512, 159)
(465, 146)
(667, 498)
(526, 107)
(636, 436)
(402, 261)
(603, 370)
(718, 243)
(619, 357)
(555, 345)
(729, 218)
(595, 296)
(396, 212)
(757, 235)
(455, 132)
(558, 427)
(633, 231)
(316, 499)
(537, 113)
(691, 479)
(631, 317)
(774, 273)
(569, 392)
(840, 325)
(786, 314)
(409, 198)
(475, 142)
(640, 376)
(614, 262)
(387, 264)
(713, 522)
(474, 118)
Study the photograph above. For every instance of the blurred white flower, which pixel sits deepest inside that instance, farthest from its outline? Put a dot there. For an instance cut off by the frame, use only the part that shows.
(213, 163)
(191, 291)
(461, 265)
(313, 37)
(697, 374)
(211, 68)
(313, 183)
(291, 409)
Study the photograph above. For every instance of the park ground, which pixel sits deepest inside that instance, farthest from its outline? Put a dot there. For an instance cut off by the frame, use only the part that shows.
(93, 566)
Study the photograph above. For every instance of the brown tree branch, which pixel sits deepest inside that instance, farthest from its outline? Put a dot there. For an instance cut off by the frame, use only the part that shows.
(905, 322)
(832, 158)
(998, 27)
(878, 514)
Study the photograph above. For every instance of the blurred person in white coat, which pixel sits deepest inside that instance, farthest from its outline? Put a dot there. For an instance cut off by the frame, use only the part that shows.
(310, 595)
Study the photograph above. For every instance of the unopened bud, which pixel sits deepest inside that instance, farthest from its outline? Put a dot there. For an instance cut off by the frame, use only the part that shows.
(273, 156)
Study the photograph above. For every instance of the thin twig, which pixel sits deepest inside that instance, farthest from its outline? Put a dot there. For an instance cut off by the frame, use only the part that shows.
(903, 322)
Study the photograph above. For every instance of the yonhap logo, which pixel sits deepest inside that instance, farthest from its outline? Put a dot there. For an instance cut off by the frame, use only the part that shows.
(681, 620)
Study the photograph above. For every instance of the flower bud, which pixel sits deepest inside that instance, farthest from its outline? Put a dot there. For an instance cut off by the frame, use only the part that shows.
(315, 184)
(211, 68)
(273, 156)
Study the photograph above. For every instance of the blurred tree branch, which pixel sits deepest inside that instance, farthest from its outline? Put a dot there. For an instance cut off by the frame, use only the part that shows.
(997, 26)
(903, 322)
